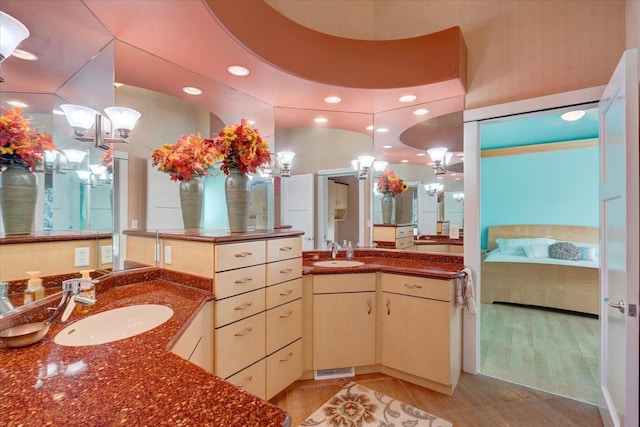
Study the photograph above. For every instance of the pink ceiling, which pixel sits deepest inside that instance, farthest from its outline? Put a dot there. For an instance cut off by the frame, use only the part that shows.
(154, 36)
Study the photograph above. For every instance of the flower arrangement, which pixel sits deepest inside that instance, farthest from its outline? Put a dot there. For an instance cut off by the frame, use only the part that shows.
(241, 147)
(19, 144)
(107, 159)
(191, 156)
(390, 183)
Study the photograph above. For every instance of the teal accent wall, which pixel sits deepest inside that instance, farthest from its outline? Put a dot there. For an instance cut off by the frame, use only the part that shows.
(555, 187)
(215, 202)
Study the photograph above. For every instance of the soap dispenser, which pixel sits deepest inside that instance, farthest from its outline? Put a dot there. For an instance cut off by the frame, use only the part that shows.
(5, 304)
(86, 289)
(349, 251)
(35, 290)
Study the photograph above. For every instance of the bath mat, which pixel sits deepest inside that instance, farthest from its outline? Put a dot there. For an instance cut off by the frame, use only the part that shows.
(357, 406)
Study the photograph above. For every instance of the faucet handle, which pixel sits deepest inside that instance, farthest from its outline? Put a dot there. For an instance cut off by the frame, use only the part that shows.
(71, 285)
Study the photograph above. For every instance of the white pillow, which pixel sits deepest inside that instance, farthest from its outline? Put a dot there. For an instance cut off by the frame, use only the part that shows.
(537, 251)
(505, 244)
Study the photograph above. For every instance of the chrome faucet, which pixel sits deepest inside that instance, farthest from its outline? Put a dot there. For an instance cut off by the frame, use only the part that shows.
(70, 297)
(334, 249)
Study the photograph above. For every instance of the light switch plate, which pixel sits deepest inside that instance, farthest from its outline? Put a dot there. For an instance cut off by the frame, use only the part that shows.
(106, 254)
(167, 254)
(81, 258)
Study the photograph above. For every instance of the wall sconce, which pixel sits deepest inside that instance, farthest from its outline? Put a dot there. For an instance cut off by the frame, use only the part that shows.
(74, 158)
(12, 32)
(378, 167)
(285, 159)
(266, 169)
(362, 166)
(459, 197)
(81, 119)
(438, 155)
(433, 188)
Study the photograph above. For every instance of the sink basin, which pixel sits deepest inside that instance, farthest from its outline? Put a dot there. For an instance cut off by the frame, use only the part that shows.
(113, 325)
(338, 263)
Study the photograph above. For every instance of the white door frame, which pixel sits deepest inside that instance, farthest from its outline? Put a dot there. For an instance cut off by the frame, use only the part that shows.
(472, 119)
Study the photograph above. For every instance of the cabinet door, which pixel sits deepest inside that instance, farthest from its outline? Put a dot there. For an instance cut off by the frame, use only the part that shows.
(196, 343)
(415, 336)
(344, 330)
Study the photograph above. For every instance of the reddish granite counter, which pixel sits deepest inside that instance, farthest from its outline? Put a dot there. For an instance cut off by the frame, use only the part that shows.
(436, 266)
(136, 381)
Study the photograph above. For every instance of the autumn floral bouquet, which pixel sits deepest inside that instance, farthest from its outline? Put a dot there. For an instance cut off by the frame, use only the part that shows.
(19, 143)
(390, 183)
(191, 156)
(241, 147)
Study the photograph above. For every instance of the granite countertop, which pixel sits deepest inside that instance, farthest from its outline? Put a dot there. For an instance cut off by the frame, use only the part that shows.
(136, 381)
(435, 266)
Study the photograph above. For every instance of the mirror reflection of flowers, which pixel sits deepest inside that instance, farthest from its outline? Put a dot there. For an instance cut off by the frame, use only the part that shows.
(390, 183)
(19, 143)
(242, 148)
(190, 157)
(107, 159)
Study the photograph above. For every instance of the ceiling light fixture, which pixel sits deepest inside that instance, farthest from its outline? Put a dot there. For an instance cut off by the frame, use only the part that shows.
(117, 84)
(407, 98)
(12, 32)
(238, 70)
(81, 119)
(18, 104)
(382, 130)
(572, 116)
(370, 127)
(438, 155)
(421, 112)
(421, 154)
(332, 99)
(191, 90)
(321, 120)
(23, 54)
(387, 146)
(458, 197)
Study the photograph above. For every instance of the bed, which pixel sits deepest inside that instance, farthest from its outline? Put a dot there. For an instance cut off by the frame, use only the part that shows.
(517, 268)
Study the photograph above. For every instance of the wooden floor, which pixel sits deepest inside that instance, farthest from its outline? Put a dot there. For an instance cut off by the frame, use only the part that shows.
(477, 401)
(550, 351)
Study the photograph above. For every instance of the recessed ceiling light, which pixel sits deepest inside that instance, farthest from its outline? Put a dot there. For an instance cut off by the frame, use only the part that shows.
(420, 154)
(118, 84)
(190, 90)
(18, 104)
(370, 127)
(238, 70)
(572, 116)
(57, 112)
(251, 122)
(421, 112)
(382, 130)
(332, 99)
(321, 120)
(23, 54)
(386, 146)
(404, 161)
(407, 98)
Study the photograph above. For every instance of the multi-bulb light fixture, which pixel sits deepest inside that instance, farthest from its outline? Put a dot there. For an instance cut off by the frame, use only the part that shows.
(12, 32)
(438, 155)
(82, 119)
(361, 166)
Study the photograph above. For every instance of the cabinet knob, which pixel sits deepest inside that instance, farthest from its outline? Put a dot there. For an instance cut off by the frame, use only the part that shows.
(369, 305)
(287, 357)
(411, 286)
(286, 270)
(243, 280)
(285, 249)
(285, 293)
(243, 332)
(243, 306)
(388, 307)
(247, 380)
(287, 314)
(243, 254)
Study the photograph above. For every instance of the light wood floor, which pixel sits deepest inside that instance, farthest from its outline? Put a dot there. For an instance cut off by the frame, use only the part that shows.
(478, 400)
(550, 351)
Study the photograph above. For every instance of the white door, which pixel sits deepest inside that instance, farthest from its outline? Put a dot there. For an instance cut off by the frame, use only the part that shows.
(619, 233)
(298, 207)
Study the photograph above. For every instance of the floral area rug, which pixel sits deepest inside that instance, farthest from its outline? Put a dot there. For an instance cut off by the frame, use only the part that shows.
(358, 406)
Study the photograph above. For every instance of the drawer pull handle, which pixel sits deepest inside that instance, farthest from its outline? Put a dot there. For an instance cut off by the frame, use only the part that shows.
(243, 306)
(285, 293)
(247, 380)
(286, 270)
(285, 249)
(412, 286)
(243, 280)
(244, 332)
(287, 357)
(243, 254)
(369, 305)
(287, 314)
(388, 307)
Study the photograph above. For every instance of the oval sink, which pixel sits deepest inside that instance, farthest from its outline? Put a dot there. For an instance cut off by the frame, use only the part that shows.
(114, 325)
(338, 263)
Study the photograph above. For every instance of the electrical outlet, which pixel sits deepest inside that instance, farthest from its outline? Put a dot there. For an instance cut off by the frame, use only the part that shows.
(82, 257)
(167, 254)
(106, 254)
(134, 224)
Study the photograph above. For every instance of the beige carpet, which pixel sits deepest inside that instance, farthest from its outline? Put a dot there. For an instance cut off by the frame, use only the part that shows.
(356, 405)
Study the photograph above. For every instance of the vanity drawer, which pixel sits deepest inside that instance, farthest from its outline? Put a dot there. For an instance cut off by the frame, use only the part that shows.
(279, 249)
(283, 368)
(234, 282)
(284, 324)
(284, 292)
(282, 271)
(238, 307)
(339, 283)
(238, 255)
(404, 242)
(417, 286)
(404, 232)
(251, 379)
(239, 345)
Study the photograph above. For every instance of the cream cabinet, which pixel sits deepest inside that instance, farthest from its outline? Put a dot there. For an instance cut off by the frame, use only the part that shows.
(421, 330)
(392, 236)
(344, 320)
(196, 342)
(338, 199)
(444, 247)
(258, 314)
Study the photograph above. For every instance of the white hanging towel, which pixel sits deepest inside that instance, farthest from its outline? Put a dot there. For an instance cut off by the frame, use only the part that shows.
(465, 297)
